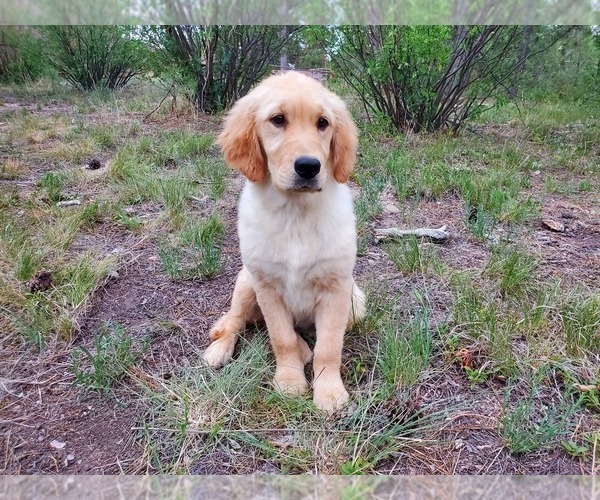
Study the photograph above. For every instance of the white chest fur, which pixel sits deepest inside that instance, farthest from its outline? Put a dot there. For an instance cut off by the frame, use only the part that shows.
(297, 241)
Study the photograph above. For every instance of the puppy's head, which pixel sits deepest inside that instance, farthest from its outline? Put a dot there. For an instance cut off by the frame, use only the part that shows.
(292, 129)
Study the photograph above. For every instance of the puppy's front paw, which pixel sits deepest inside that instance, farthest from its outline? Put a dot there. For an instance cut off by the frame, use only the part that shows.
(290, 381)
(219, 353)
(330, 396)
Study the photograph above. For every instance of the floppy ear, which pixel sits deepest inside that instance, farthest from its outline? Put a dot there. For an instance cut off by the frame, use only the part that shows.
(239, 141)
(343, 144)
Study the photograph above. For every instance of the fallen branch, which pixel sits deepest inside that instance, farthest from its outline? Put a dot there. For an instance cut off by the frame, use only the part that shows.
(68, 203)
(438, 235)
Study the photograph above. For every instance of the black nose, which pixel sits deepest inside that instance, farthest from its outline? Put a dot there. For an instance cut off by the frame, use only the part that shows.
(307, 166)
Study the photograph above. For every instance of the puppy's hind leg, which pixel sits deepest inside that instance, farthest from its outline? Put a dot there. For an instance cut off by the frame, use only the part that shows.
(224, 333)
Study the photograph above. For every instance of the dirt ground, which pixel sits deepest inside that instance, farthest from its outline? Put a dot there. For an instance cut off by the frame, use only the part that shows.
(49, 426)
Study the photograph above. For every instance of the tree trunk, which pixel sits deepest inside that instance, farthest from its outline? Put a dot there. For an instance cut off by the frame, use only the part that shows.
(523, 55)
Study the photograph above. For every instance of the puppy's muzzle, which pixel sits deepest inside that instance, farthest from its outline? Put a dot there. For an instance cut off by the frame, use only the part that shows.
(307, 167)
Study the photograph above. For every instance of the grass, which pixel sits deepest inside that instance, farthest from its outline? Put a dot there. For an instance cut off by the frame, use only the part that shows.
(109, 360)
(448, 329)
(411, 256)
(527, 426)
(195, 251)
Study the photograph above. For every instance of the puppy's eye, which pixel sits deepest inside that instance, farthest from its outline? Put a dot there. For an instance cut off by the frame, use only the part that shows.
(322, 123)
(278, 120)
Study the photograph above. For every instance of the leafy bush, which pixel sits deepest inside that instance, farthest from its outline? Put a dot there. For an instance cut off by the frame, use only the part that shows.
(428, 78)
(217, 63)
(21, 54)
(95, 57)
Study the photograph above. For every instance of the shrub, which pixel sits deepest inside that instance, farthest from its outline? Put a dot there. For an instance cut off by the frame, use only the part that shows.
(95, 57)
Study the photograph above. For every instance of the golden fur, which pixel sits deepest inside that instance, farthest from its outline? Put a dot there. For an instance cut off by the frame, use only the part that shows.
(297, 230)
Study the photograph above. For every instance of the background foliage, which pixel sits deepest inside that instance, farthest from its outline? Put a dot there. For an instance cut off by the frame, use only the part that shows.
(417, 78)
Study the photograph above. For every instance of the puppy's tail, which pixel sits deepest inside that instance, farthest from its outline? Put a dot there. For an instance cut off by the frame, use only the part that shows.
(359, 306)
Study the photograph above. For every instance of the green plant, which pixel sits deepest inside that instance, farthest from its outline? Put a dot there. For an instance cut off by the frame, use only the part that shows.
(53, 183)
(513, 268)
(574, 449)
(195, 251)
(112, 355)
(174, 193)
(95, 57)
(204, 241)
(476, 376)
(581, 322)
(410, 255)
(403, 353)
(525, 426)
(428, 78)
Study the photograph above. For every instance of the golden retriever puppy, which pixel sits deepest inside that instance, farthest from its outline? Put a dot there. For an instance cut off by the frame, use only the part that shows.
(295, 142)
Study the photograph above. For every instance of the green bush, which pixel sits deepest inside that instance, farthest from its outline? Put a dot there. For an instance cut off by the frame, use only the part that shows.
(95, 57)
(21, 55)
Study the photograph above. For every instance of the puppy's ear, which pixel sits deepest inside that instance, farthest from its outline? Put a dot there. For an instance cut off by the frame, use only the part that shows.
(343, 144)
(239, 141)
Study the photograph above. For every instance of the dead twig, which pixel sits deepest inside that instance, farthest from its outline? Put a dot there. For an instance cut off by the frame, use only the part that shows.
(159, 104)
(438, 235)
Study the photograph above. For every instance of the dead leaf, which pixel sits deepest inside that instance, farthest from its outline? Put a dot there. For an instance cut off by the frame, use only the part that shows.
(554, 225)
(585, 388)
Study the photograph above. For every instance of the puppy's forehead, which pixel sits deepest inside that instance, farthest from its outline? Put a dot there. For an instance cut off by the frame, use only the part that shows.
(292, 102)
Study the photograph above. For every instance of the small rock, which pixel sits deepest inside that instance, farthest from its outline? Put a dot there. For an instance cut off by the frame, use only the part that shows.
(554, 225)
(70, 457)
(59, 445)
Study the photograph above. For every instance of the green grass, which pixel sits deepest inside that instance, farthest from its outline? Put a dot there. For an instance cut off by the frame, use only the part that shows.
(529, 425)
(203, 413)
(411, 256)
(108, 361)
(580, 317)
(404, 352)
(195, 250)
(513, 269)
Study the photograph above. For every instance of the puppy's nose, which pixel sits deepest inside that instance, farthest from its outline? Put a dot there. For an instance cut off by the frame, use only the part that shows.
(307, 166)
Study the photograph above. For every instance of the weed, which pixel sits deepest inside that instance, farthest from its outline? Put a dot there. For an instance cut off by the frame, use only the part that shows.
(581, 323)
(527, 427)
(169, 257)
(174, 193)
(403, 353)
(127, 221)
(113, 353)
(513, 269)
(103, 136)
(213, 172)
(411, 256)
(475, 376)
(93, 213)
(479, 222)
(53, 183)
(77, 281)
(204, 240)
(11, 168)
(28, 261)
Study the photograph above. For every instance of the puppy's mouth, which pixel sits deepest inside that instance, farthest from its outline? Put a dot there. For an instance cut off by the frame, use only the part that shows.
(306, 187)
